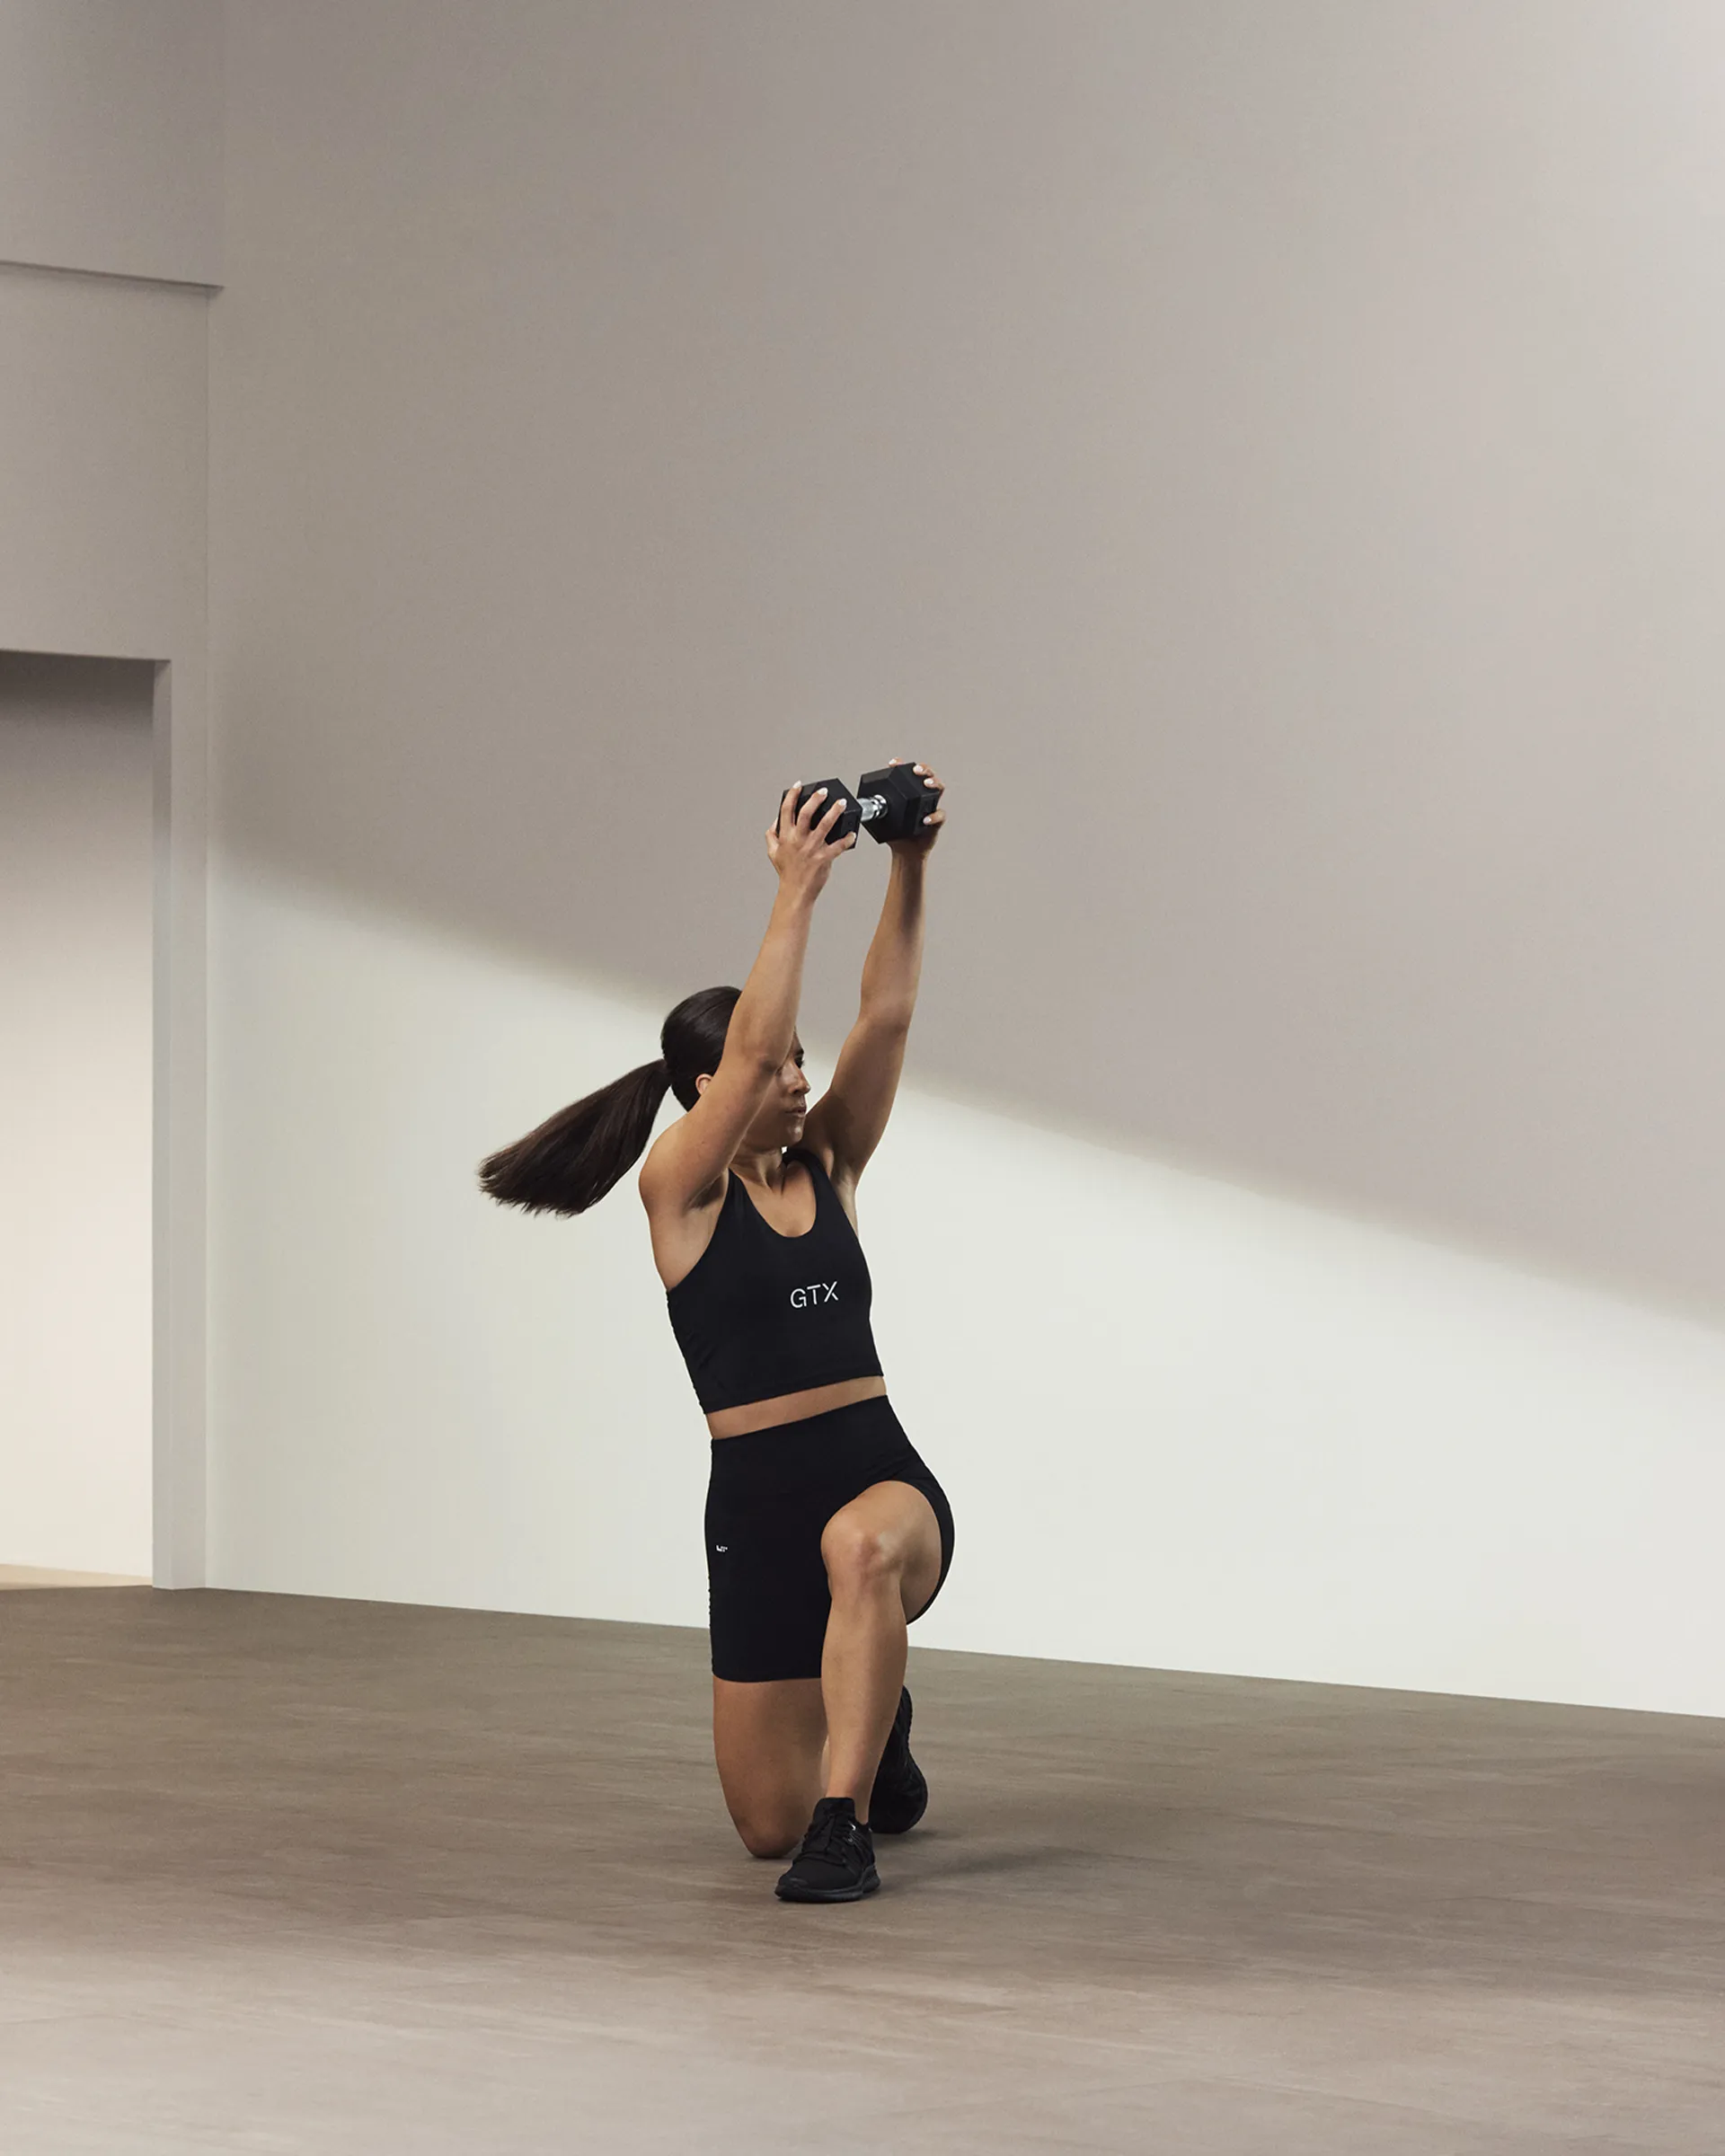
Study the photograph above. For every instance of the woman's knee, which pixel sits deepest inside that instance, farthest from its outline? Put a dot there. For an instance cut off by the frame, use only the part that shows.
(860, 1556)
(766, 1835)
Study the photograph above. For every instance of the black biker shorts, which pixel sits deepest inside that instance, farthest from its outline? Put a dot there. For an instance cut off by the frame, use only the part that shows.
(770, 1495)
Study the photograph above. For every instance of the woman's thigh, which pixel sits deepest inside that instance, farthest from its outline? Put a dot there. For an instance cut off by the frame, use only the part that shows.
(768, 1740)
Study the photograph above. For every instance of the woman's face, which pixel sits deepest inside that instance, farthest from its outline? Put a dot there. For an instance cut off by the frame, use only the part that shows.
(790, 1094)
(784, 1109)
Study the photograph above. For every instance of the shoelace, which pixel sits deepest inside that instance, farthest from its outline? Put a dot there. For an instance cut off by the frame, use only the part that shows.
(834, 1827)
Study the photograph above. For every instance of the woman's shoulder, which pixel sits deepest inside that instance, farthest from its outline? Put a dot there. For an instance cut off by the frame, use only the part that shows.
(682, 1239)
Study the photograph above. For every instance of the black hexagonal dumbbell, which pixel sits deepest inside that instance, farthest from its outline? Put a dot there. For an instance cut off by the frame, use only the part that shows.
(888, 804)
(895, 801)
(849, 817)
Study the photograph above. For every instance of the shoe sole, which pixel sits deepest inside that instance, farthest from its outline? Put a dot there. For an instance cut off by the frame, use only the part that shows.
(869, 1884)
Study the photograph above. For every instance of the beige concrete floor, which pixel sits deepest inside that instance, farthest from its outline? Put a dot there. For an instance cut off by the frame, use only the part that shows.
(39, 1576)
(280, 1874)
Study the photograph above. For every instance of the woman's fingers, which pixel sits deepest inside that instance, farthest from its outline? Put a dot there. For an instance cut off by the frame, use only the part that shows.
(926, 770)
(931, 778)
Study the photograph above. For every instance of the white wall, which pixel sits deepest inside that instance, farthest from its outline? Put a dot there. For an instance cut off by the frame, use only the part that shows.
(1269, 459)
(1181, 1424)
(103, 422)
(110, 136)
(76, 876)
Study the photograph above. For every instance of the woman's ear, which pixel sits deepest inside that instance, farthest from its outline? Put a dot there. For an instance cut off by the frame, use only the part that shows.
(702, 1082)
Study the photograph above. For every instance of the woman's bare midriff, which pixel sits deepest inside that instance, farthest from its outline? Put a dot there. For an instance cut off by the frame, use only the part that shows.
(792, 1407)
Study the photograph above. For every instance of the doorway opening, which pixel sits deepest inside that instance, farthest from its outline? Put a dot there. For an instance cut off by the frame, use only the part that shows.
(76, 973)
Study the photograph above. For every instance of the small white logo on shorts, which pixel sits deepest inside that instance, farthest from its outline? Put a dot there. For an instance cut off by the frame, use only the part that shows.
(722, 1547)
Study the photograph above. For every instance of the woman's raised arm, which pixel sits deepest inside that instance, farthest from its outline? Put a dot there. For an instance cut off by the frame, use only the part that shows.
(848, 1121)
(687, 1159)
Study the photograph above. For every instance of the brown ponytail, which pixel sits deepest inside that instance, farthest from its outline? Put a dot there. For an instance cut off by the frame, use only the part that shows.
(575, 1156)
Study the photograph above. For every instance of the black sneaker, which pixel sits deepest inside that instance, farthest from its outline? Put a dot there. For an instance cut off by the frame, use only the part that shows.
(900, 1793)
(836, 1860)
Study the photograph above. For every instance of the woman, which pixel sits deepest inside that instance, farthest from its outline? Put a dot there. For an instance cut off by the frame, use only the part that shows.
(827, 1533)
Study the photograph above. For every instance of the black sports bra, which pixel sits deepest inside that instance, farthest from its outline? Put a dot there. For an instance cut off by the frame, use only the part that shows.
(760, 1314)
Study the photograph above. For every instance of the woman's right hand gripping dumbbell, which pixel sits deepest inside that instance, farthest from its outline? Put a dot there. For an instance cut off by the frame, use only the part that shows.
(798, 845)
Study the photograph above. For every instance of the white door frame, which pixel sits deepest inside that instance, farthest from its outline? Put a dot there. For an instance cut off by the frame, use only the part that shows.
(104, 434)
(179, 1127)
